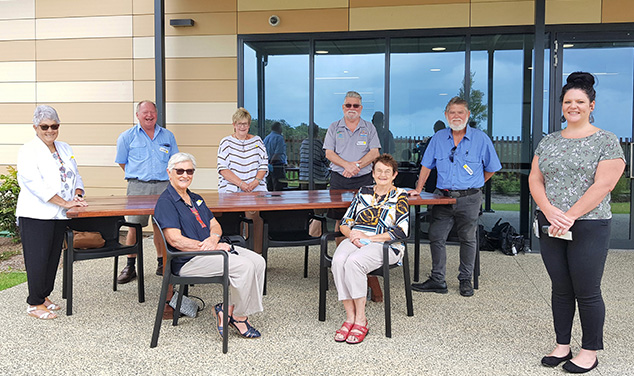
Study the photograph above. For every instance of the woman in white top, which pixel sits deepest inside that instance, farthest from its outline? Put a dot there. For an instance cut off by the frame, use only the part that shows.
(243, 165)
(49, 185)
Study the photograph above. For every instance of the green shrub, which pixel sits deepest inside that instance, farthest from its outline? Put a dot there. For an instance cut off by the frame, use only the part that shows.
(621, 192)
(506, 183)
(9, 191)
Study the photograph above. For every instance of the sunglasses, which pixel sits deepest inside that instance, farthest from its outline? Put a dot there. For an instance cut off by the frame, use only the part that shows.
(348, 105)
(453, 151)
(180, 171)
(52, 126)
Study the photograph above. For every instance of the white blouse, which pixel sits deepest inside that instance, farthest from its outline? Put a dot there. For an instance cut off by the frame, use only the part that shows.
(41, 177)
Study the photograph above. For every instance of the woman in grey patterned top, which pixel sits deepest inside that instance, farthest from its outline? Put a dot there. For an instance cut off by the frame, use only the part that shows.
(572, 175)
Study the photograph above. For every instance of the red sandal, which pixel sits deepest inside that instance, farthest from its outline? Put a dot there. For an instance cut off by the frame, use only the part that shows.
(353, 338)
(342, 333)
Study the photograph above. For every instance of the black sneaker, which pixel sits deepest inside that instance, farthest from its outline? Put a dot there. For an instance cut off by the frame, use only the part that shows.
(466, 289)
(431, 286)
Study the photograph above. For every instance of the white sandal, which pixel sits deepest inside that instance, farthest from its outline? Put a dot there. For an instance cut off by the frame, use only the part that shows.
(51, 306)
(46, 315)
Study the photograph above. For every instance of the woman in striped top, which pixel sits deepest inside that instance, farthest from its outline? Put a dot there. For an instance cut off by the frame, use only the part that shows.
(242, 165)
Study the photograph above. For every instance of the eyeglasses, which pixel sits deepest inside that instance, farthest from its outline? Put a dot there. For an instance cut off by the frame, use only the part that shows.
(180, 171)
(355, 105)
(453, 151)
(52, 126)
(383, 172)
(242, 125)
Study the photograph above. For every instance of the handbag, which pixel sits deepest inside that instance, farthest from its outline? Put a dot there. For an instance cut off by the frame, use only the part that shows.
(188, 306)
(87, 240)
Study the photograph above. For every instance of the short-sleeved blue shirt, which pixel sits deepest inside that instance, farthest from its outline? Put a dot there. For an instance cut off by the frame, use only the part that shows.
(172, 212)
(473, 155)
(275, 144)
(145, 159)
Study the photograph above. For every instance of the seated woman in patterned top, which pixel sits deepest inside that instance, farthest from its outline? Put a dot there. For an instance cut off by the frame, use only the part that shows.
(376, 214)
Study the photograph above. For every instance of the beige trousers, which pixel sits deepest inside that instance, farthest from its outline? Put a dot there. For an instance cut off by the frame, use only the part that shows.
(350, 266)
(246, 278)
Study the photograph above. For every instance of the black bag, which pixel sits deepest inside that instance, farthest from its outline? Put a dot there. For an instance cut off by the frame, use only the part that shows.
(504, 237)
(484, 240)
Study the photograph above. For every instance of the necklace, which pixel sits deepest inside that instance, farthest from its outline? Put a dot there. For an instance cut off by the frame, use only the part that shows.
(242, 142)
(375, 198)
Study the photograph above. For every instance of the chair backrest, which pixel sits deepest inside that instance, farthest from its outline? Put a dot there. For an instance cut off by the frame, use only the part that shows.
(230, 222)
(103, 225)
(288, 224)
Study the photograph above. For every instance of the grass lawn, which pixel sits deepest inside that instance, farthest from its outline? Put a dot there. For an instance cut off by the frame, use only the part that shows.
(10, 279)
(617, 207)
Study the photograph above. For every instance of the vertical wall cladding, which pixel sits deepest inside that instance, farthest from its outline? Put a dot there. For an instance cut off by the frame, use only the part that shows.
(93, 59)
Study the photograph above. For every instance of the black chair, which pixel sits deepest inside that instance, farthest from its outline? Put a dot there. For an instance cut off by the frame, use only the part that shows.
(451, 239)
(289, 229)
(232, 224)
(170, 278)
(109, 228)
(384, 271)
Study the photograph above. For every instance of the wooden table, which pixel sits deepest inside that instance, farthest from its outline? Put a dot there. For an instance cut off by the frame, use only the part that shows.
(255, 201)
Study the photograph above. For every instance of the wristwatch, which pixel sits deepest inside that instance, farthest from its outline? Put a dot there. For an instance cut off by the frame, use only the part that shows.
(358, 165)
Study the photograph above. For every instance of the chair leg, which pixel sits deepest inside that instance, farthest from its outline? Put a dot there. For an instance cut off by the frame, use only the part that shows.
(177, 310)
(387, 300)
(323, 286)
(408, 285)
(416, 243)
(69, 286)
(140, 274)
(64, 275)
(159, 311)
(306, 262)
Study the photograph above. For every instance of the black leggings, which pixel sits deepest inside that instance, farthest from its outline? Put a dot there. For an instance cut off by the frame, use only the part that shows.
(42, 247)
(575, 269)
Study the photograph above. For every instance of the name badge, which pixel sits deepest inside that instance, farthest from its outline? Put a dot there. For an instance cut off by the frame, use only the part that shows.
(164, 150)
(361, 143)
(468, 169)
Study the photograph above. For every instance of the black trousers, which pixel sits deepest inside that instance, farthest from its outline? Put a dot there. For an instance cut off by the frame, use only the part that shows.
(42, 247)
(575, 269)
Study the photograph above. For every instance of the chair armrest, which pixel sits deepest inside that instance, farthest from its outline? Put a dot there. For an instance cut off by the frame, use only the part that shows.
(324, 243)
(171, 255)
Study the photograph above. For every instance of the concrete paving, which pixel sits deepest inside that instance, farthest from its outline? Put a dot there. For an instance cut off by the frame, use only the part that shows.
(504, 329)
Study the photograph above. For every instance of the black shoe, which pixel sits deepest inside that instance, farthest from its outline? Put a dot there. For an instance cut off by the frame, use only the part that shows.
(431, 286)
(466, 289)
(127, 274)
(159, 269)
(573, 368)
(554, 361)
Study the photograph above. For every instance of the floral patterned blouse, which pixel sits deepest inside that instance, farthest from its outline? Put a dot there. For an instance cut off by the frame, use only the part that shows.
(569, 164)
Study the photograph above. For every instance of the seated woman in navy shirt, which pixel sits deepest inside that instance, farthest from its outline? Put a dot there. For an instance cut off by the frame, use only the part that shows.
(189, 225)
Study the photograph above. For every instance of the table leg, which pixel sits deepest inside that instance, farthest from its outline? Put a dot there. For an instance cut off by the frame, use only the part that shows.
(416, 243)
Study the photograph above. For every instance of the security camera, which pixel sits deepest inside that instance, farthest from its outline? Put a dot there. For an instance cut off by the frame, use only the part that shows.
(274, 20)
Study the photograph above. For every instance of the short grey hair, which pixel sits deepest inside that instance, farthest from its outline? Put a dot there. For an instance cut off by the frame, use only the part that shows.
(44, 112)
(353, 94)
(138, 106)
(180, 157)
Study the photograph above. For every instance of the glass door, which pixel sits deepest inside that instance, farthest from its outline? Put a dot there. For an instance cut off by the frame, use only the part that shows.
(610, 58)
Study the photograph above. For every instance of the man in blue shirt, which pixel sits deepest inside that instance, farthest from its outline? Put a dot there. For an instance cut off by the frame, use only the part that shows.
(276, 150)
(142, 153)
(465, 159)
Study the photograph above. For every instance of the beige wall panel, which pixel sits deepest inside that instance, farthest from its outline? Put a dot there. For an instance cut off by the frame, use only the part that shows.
(84, 27)
(144, 90)
(206, 180)
(200, 134)
(251, 5)
(573, 11)
(214, 68)
(17, 29)
(143, 25)
(16, 134)
(17, 92)
(16, 113)
(206, 156)
(197, 6)
(143, 6)
(109, 91)
(93, 113)
(91, 134)
(202, 91)
(293, 21)
(17, 71)
(410, 17)
(144, 69)
(204, 24)
(143, 47)
(74, 8)
(201, 46)
(503, 13)
(200, 113)
(84, 70)
(9, 155)
(390, 3)
(94, 155)
(103, 177)
(14, 9)
(66, 49)
(618, 11)
(22, 50)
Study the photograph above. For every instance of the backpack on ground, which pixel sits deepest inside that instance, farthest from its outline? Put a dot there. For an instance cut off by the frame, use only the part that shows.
(504, 237)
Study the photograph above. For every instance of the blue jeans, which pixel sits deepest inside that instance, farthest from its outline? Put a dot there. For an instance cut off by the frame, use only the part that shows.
(464, 213)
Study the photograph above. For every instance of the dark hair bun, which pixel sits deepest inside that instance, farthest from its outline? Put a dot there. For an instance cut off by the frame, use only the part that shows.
(581, 79)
